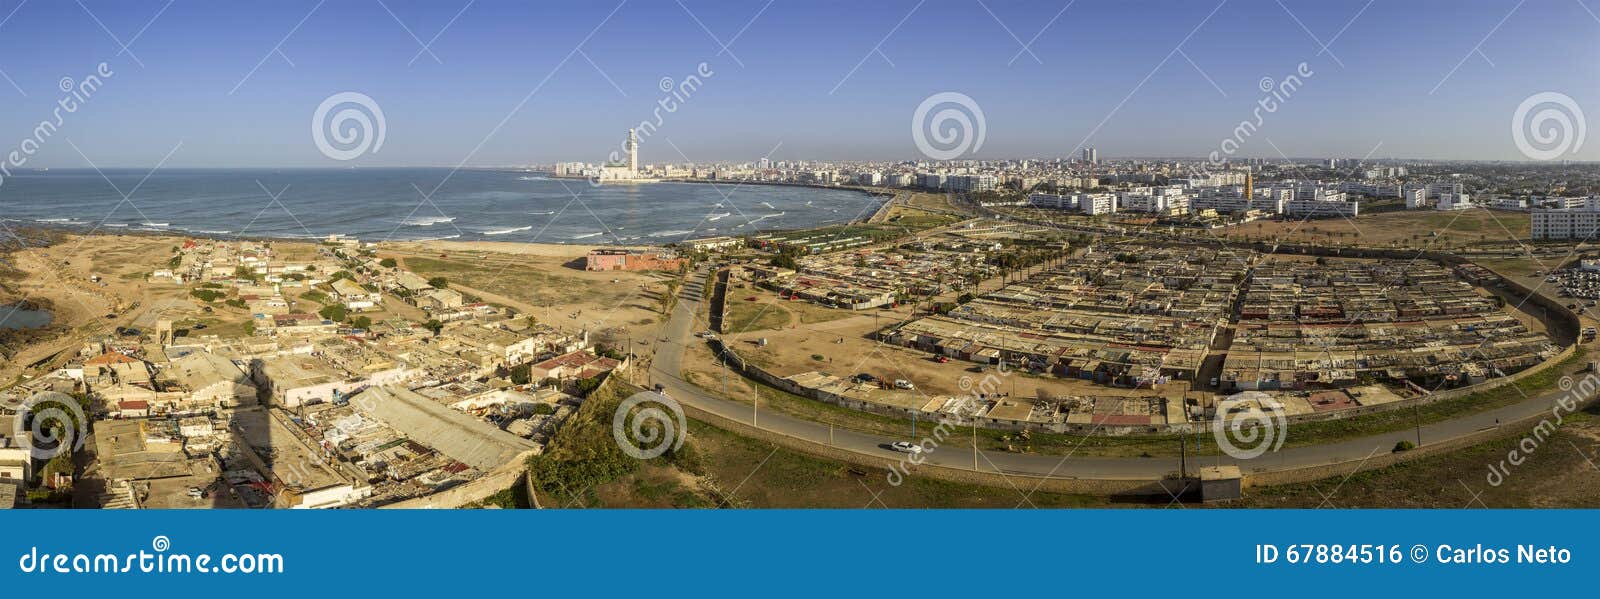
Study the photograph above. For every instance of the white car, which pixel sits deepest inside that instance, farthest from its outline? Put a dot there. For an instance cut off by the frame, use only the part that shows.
(903, 384)
(906, 447)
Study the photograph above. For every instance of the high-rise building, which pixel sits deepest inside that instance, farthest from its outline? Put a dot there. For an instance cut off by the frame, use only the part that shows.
(633, 152)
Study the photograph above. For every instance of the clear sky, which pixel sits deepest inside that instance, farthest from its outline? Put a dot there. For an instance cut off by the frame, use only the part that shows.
(537, 82)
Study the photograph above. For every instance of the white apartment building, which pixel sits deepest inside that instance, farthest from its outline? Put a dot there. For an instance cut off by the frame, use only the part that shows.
(1213, 179)
(1438, 189)
(1415, 197)
(1454, 201)
(1321, 208)
(1052, 200)
(1517, 204)
(1088, 203)
(1231, 200)
(972, 183)
(1097, 203)
(1567, 223)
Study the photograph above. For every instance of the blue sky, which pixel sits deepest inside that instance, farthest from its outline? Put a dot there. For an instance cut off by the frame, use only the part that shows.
(1104, 68)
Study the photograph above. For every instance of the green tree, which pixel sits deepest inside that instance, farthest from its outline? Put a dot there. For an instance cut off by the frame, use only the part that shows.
(333, 312)
(588, 385)
(520, 374)
(361, 322)
(438, 282)
(388, 263)
(434, 325)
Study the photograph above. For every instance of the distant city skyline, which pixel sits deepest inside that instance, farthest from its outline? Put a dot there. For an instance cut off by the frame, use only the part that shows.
(489, 83)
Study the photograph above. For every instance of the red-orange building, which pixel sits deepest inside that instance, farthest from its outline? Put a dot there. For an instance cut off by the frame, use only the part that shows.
(632, 260)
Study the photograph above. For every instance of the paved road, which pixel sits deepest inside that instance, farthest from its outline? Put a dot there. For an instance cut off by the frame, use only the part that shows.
(957, 454)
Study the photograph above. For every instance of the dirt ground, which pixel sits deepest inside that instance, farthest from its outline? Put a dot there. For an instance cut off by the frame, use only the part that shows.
(60, 275)
(842, 338)
(547, 282)
(1411, 228)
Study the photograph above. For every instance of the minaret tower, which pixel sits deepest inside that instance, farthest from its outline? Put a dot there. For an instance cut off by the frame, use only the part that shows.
(633, 152)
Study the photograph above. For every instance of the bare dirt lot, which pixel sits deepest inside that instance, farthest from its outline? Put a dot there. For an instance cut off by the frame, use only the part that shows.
(547, 282)
(1432, 229)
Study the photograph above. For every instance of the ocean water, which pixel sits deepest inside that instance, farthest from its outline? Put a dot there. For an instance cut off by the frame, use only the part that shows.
(380, 204)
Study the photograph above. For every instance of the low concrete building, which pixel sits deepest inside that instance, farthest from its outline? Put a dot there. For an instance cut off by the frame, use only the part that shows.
(601, 260)
(461, 437)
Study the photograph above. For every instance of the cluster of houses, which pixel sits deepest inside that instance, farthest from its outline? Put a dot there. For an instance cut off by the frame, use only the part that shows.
(1345, 322)
(1142, 316)
(309, 413)
(1134, 316)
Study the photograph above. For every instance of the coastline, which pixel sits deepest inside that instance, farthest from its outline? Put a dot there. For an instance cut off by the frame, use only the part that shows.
(79, 228)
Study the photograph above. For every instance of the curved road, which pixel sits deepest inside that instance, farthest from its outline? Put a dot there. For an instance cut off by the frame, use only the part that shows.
(679, 332)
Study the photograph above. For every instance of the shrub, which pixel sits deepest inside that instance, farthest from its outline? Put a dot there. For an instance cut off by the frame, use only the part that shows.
(1404, 446)
(334, 312)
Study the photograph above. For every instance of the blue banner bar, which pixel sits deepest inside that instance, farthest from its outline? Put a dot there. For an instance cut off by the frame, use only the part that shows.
(794, 553)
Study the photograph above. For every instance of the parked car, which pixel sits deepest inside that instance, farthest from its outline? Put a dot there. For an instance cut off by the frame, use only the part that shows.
(906, 447)
(903, 384)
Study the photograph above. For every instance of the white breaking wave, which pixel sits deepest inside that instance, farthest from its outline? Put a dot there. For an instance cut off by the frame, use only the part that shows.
(672, 233)
(530, 178)
(439, 238)
(157, 225)
(588, 235)
(769, 205)
(505, 231)
(717, 216)
(764, 217)
(543, 213)
(427, 221)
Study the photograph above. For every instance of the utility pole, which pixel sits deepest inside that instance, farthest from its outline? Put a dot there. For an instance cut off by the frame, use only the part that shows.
(974, 443)
(1417, 410)
(755, 411)
(1183, 458)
